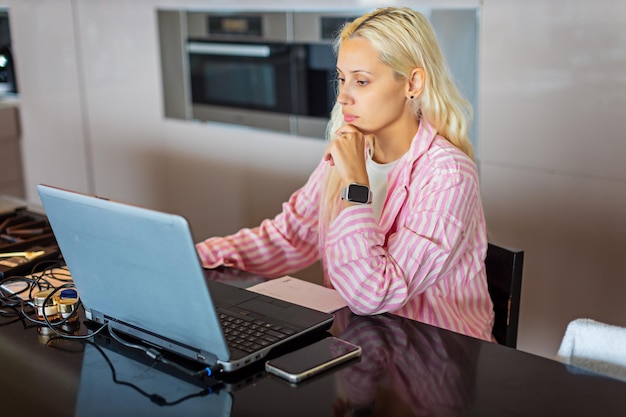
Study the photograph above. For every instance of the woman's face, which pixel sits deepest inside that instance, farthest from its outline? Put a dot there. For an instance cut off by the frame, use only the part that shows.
(372, 99)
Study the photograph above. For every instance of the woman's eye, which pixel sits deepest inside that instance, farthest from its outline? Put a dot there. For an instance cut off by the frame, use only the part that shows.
(341, 81)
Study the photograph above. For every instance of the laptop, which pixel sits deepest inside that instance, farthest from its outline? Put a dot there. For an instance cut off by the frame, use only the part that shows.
(138, 271)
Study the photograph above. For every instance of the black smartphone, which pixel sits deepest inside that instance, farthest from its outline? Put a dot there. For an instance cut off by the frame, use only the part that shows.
(312, 359)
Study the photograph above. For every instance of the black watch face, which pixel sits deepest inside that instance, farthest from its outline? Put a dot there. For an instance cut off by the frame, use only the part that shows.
(358, 193)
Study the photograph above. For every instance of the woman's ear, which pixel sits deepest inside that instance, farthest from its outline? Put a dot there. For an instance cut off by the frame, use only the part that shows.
(416, 83)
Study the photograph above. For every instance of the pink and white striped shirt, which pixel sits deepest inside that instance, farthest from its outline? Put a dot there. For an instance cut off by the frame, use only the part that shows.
(423, 260)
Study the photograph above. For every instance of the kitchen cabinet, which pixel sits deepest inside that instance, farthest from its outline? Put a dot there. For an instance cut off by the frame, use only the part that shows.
(11, 173)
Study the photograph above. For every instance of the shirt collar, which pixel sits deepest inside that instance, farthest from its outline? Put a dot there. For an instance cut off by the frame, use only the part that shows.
(420, 144)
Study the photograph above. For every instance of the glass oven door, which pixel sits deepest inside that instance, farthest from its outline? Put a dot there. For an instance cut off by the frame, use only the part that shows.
(244, 76)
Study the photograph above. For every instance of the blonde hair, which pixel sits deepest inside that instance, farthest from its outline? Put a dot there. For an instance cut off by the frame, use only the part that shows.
(405, 40)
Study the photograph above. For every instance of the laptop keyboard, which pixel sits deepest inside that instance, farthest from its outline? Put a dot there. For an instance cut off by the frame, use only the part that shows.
(251, 334)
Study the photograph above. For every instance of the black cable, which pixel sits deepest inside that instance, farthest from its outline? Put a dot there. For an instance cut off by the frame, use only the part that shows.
(22, 299)
(53, 269)
(155, 398)
(35, 281)
(157, 356)
(13, 298)
(52, 326)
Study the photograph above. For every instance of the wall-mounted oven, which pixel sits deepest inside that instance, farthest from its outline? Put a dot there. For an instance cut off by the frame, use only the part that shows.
(271, 70)
(243, 69)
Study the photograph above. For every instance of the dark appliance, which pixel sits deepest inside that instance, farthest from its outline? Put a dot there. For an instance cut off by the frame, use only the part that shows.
(243, 69)
(270, 70)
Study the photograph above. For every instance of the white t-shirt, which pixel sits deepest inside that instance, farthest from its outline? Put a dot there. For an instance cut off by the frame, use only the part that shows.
(377, 174)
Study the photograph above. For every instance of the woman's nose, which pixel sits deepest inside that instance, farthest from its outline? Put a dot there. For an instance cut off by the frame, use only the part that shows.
(342, 97)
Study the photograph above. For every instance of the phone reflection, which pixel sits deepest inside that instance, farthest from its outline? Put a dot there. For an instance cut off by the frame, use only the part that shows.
(406, 369)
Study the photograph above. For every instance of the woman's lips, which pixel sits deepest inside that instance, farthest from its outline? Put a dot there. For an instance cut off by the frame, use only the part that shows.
(349, 118)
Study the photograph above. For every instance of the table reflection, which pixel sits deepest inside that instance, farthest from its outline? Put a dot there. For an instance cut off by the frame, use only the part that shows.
(406, 369)
(117, 381)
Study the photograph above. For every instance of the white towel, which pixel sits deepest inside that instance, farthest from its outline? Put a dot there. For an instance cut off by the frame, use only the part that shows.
(595, 346)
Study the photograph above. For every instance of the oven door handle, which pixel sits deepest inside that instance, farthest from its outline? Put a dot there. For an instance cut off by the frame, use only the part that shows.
(228, 49)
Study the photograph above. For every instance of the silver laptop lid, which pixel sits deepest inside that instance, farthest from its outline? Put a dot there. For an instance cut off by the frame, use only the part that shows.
(137, 266)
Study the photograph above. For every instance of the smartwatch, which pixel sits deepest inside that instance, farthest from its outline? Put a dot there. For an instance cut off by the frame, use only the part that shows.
(357, 193)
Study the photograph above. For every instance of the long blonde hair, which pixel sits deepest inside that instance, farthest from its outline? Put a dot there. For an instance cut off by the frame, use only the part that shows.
(405, 40)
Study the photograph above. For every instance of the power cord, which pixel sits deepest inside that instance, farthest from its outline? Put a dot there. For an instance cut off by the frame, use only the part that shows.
(157, 356)
(22, 300)
(155, 398)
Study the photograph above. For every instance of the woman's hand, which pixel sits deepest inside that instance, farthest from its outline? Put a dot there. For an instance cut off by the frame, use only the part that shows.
(347, 154)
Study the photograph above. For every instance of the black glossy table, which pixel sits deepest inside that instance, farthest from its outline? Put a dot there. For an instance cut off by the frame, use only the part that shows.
(407, 368)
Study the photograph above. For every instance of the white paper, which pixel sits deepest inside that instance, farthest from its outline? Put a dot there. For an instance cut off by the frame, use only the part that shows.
(301, 292)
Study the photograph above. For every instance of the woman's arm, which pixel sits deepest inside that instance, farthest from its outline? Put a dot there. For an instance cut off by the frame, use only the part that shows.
(279, 246)
(439, 215)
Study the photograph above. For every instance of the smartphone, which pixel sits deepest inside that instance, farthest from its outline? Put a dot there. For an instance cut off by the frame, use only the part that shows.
(312, 359)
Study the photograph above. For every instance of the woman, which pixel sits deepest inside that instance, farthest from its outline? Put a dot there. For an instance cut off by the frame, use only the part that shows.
(393, 209)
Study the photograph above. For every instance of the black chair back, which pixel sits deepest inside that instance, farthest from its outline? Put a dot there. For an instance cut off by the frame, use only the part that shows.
(504, 279)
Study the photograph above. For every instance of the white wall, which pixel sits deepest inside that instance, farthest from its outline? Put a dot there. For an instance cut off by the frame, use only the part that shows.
(552, 92)
(553, 102)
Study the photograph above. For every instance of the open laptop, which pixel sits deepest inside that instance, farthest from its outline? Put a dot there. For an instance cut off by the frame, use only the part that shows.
(138, 270)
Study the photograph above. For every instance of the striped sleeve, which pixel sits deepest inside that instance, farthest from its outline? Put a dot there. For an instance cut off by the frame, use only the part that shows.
(279, 246)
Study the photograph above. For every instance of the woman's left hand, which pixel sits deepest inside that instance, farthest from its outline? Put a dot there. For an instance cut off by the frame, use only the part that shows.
(347, 154)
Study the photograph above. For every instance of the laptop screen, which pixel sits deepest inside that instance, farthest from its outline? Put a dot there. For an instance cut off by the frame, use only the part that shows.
(136, 266)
